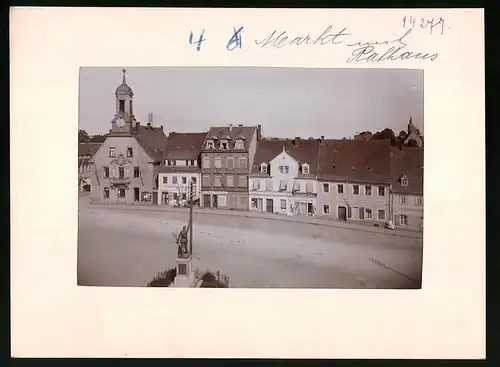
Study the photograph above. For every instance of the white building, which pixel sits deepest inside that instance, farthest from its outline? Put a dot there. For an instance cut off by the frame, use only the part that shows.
(282, 179)
(181, 164)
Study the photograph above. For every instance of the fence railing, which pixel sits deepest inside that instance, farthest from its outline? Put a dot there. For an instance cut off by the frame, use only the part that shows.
(219, 277)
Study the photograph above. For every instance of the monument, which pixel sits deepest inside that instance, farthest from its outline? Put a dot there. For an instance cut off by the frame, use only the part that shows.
(185, 275)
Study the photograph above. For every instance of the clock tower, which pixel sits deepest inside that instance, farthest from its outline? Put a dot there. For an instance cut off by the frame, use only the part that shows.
(124, 120)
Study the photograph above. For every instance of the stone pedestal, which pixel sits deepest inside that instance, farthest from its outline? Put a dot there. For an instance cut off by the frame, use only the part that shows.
(185, 276)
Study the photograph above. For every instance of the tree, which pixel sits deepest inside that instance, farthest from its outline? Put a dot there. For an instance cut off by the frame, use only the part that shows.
(98, 138)
(83, 137)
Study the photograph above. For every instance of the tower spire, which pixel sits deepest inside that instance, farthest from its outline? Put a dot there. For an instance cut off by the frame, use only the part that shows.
(125, 81)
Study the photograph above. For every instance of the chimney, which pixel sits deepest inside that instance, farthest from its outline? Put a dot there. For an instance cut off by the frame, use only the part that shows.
(230, 127)
(259, 132)
(161, 128)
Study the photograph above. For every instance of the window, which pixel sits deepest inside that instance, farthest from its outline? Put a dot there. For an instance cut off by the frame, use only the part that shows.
(283, 204)
(326, 209)
(223, 144)
(121, 192)
(121, 172)
(283, 185)
(243, 201)
(243, 163)
(218, 162)
(193, 180)
(210, 144)
(381, 214)
(122, 106)
(326, 187)
(230, 162)
(402, 199)
(224, 162)
(174, 180)
(368, 190)
(206, 162)
(239, 144)
(403, 220)
(184, 180)
(309, 187)
(368, 213)
(112, 152)
(106, 193)
(340, 188)
(221, 200)
(242, 181)
(136, 172)
(355, 189)
(183, 196)
(188, 163)
(130, 152)
(418, 201)
(305, 169)
(218, 181)
(263, 168)
(192, 162)
(404, 181)
(165, 180)
(296, 186)
(254, 203)
(269, 185)
(381, 191)
(280, 168)
(230, 180)
(256, 184)
(206, 180)
(131, 110)
(106, 172)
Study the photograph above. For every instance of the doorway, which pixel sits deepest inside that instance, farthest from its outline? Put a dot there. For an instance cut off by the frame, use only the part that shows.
(269, 206)
(309, 209)
(206, 201)
(164, 197)
(136, 194)
(214, 201)
(342, 213)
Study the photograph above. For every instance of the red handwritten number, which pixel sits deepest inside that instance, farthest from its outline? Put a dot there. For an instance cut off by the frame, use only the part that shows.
(424, 23)
(410, 21)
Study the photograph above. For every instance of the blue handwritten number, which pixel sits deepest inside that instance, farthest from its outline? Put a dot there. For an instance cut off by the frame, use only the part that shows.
(236, 39)
(200, 40)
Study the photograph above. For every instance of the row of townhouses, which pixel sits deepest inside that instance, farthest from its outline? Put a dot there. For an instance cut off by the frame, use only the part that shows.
(237, 168)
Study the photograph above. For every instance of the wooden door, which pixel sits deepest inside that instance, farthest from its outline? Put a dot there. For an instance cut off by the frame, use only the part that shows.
(269, 206)
(342, 213)
(206, 201)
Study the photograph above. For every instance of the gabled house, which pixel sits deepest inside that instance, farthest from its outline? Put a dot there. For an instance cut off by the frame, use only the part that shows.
(227, 153)
(282, 178)
(85, 153)
(124, 167)
(354, 178)
(407, 172)
(180, 166)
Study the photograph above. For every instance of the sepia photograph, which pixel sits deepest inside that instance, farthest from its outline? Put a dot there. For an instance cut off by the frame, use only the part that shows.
(250, 177)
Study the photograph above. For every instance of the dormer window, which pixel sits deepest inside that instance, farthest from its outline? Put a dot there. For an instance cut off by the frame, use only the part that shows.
(223, 144)
(263, 168)
(404, 181)
(305, 169)
(239, 144)
(210, 144)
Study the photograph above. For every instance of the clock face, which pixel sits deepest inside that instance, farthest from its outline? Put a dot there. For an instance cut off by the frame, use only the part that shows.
(120, 122)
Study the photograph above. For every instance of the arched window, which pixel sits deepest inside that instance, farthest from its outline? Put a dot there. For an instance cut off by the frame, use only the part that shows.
(305, 169)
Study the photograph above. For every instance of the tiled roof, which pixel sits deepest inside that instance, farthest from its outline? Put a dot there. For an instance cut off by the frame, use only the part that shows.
(221, 133)
(183, 146)
(409, 162)
(355, 160)
(88, 148)
(152, 140)
(302, 150)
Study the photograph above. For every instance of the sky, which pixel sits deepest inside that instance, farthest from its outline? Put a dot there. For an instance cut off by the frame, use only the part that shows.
(287, 102)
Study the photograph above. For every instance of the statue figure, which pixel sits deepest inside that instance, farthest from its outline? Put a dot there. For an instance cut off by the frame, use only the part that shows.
(182, 242)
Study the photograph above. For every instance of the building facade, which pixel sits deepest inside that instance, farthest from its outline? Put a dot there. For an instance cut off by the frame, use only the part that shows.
(226, 157)
(282, 178)
(180, 166)
(124, 167)
(354, 180)
(407, 165)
